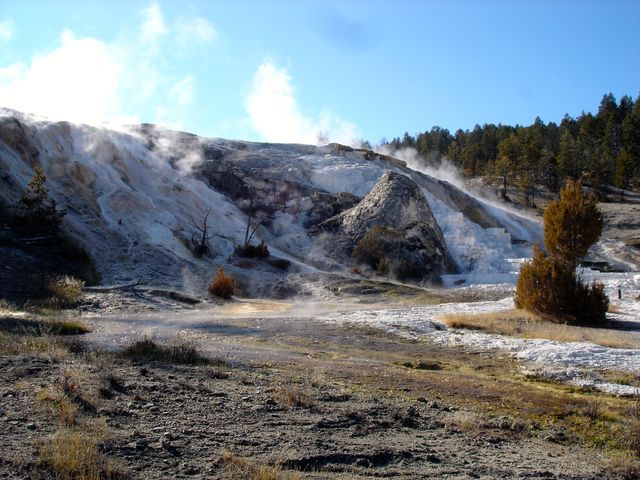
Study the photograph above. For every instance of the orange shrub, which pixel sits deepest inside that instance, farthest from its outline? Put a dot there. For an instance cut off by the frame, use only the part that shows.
(222, 285)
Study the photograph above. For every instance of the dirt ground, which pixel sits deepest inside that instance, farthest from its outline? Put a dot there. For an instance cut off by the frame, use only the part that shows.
(315, 401)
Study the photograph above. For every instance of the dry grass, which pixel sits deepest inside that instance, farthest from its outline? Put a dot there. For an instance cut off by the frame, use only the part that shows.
(184, 353)
(239, 468)
(625, 468)
(59, 406)
(632, 432)
(63, 292)
(293, 395)
(518, 323)
(614, 309)
(13, 322)
(12, 344)
(73, 455)
(465, 421)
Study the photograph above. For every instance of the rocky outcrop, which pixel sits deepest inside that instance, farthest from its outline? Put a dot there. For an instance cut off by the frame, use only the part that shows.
(391, 229)
(327, 205)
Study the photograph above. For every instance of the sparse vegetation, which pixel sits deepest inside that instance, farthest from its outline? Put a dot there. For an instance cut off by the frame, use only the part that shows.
(520, 323)
(149, 350)
(252, 251)
(74, 455)
(254, 221)
(42, 326)
(200, 238)
(422, 365)
(294, 395)
(371, 249)
(63, 292)
(465, 421)
(240, 468)
(45, 341)
(222, 285)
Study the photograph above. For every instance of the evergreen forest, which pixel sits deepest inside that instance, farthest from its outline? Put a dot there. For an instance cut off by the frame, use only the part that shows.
(601, 149)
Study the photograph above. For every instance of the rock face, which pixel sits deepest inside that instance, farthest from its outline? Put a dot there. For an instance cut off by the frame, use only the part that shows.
(327, 205)
(136, 196)
(391, 229)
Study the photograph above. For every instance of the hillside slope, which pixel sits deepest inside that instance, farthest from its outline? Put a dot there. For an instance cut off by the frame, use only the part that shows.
(136, 196)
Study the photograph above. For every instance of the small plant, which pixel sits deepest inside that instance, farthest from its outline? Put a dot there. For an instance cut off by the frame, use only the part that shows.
(63, 291)
(254, 221)
(110, 384)
(465, 421)
(74, 455)
(252, 251)
(293, 395)
(200, 239)
(147, 349)
(222, 285)
(59, 405)
(239, 468)
(371, 249)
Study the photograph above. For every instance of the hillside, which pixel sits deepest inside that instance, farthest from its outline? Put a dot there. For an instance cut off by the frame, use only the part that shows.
(136, 200)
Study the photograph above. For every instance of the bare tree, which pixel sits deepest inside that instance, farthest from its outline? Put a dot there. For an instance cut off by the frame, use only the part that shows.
(254, 221)
(200, 238)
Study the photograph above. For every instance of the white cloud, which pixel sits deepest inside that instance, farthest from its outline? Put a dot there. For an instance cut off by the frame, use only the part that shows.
(92, 81)
(175, 110)
(6, 31)
(153, 26)
(182, 92)
(196, 29)
(78, 81)
(275, 114)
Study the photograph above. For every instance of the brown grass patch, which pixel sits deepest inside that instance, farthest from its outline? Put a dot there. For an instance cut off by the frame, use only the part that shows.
(614, 309)
(465, 421)
(63, 292)
(518, 323)
(184, 353)
(11, 344)
(240, 468)
(73, 455)
(293, 395)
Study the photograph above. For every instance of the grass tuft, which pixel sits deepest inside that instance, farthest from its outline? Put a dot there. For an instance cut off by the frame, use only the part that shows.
(240, 468)
(293, 395)
(73, 455)
(184, 353)
(63, 292)
(518, 323)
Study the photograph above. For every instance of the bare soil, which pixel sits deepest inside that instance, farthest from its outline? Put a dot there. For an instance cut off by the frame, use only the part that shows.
(310, 400)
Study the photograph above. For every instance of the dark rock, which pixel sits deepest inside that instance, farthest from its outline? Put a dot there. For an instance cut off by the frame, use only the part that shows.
(327, 205)
(399, 223)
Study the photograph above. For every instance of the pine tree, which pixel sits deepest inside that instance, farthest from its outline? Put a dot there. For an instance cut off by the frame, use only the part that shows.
(572, 224)
(548, 284)
(38, 210)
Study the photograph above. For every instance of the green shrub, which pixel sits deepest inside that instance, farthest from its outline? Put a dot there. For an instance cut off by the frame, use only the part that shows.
(550, 287)
(222, 285)
(572, 224)
(548, 284)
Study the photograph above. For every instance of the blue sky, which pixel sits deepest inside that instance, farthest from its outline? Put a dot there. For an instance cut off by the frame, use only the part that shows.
(306, 70)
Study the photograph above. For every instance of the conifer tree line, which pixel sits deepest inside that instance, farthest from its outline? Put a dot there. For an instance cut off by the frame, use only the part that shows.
(601, 149)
